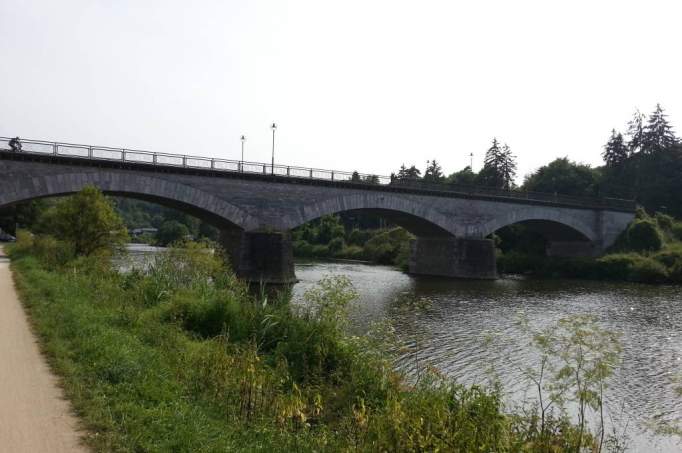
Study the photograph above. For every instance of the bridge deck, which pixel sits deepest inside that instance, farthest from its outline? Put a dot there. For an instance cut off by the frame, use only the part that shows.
(73, 154)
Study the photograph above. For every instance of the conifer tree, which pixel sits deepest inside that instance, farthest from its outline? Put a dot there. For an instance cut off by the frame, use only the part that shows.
(434, 172)
(508, 168)
(636, 132)
(499, 167)
(657, 134)
(615, 150)
(408, 173)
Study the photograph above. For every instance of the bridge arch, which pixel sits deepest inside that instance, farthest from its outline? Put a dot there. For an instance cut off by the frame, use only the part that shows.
(418, 218)
(553, 220)
(140, 186)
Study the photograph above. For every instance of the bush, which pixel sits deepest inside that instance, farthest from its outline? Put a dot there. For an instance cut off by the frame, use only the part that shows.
(320, 250)
(352, 252)
(616, 266)
(360, 237)
(646, 270)
(664, 221)
(86, 220)
(644, 235)
(676, 230)
(336, 245)
(632, 267)
(303, 248)
(669, 257)
(171, 232)
(51, 251)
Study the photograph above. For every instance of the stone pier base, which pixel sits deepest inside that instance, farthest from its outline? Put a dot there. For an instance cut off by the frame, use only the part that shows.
(453, 257)
(257, 257)
(571, 249)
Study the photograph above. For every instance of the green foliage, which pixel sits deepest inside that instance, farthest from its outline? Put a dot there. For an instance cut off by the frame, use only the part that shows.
(87, 221)
(565, 177)
(577, 358)
(644, 235)
(385, 247)
(499, 167)
(182, 357)
(664, 221)
(464, 177)
(434, 172)
(336, 245)
(170, 232)
(676, 231)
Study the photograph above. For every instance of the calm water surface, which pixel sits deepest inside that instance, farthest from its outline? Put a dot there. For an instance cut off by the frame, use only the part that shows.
(454, 330)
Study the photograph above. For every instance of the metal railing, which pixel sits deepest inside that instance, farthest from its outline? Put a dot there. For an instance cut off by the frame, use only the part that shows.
(106, 153)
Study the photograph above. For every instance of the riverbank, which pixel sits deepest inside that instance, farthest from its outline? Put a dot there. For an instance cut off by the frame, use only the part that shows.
(182, 358)
(34, 416)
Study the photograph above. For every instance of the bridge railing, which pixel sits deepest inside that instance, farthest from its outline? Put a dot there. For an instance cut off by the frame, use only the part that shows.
(105, 153)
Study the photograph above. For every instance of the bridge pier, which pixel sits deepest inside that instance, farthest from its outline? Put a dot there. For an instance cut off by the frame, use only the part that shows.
(571, 249)
(258, 256)
(453, 257)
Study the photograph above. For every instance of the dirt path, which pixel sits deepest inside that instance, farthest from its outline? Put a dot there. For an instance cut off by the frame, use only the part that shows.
(34, 417)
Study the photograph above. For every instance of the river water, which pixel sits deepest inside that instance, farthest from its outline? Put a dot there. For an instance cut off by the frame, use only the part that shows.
(468, 328)
(469, 331)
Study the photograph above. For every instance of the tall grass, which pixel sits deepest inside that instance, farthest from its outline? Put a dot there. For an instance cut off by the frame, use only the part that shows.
(181, 357)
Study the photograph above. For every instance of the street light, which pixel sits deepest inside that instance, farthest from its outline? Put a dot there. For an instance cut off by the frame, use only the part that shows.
(272, 167)
(241, 162)
(471, 162)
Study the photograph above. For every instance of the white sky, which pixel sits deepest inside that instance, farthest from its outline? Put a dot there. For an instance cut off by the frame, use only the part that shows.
(363, 85)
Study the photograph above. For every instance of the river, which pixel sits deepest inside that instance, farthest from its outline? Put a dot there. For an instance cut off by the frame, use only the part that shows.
(468, 330)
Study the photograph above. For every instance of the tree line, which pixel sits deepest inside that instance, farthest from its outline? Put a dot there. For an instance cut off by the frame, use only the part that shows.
(644, 163)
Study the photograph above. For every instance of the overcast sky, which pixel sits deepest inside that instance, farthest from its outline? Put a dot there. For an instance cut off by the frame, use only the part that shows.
(363, 85)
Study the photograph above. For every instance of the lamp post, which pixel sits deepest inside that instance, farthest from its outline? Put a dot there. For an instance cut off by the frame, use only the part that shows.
(272, 167)
(241, 162)
(471, 162)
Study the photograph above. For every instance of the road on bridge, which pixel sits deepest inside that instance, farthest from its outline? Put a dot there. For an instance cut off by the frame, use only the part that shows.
(34, 417)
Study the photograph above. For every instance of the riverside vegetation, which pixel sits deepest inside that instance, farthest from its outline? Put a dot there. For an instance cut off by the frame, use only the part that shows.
(182, 357)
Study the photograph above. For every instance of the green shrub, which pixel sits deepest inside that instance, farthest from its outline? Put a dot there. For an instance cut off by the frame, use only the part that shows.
(360, 237)
(676, 230)
(644, 235)
(647, 270)
(669, 256)
(320, 251)
(336, 245)
(303, 248)
(51, 251)
(664, 221)
(616, 266)
(352, 252)
(675, 273)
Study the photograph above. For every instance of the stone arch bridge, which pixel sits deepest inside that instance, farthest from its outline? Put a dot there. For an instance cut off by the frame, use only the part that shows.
(256, 208)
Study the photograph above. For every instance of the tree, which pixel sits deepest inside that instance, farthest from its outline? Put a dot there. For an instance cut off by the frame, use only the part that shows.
(657, 134)
(563, 176)
(508, 168)
(355, 177)
(499, 167)
(434, 172)
(464, 177)
(408, 173)
(615, 151)
(370, 179)
(171, 231)
(636, 132)
(86, 220)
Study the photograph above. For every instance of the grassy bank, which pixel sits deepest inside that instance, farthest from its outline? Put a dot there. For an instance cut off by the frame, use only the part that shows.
(183, 358)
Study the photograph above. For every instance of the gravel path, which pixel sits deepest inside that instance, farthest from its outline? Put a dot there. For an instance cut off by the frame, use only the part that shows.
(34, 417)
